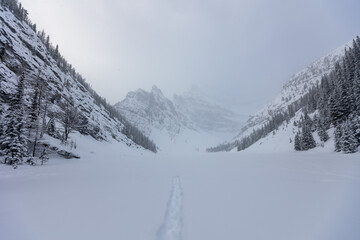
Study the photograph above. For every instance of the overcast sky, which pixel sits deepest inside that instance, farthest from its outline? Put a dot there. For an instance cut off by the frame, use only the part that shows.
(241, 51)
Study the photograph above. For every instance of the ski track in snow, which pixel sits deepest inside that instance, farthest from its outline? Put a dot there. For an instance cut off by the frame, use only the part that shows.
(171, 227)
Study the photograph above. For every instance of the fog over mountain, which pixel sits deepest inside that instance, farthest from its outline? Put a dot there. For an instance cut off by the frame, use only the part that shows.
(188, 121)
(122, 45)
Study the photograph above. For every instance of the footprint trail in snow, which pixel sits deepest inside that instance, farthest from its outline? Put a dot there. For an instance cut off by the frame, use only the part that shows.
(171, 227)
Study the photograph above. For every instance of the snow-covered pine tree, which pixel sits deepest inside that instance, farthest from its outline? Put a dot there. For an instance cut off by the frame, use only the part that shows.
(355, 123)
(344, 87)
(14, 140)
(336, 111)
(338, 138)
(307, 140)
(297, 142)
(324, 136)
(356, 50)
(349, 141)
(309, 122)
(323, 106)
(356, 89)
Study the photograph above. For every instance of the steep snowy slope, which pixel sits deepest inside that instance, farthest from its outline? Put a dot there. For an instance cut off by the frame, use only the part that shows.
(298, 85)
(22, 51)
(188, 122)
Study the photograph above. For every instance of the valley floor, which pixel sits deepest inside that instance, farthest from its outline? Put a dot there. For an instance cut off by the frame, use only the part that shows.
(114, 193)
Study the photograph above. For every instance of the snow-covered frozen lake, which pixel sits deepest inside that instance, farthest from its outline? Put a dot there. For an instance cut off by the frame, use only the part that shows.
(114, 193)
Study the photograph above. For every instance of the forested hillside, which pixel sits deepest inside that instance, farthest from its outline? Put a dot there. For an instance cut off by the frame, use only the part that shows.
(335, 104)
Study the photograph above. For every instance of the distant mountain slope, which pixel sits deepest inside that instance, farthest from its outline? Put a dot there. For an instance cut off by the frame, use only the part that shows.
(152, 110)
(23, 51)
(187, 121)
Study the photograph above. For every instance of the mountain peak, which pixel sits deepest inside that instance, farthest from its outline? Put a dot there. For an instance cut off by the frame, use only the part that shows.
(156, 90)
(148, 110)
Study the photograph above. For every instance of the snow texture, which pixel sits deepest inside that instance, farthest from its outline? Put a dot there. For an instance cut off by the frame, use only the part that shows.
(114, 192)
(171, 228)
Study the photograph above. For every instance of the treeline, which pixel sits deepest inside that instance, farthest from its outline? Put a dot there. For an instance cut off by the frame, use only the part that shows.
(223, 147)
(17, 9)
(270, 126)
(79, 121)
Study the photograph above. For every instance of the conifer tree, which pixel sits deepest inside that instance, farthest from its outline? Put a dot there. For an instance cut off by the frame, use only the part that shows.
(349, 142)
(355, 123)
(336, 111)
(307, 140)
(297, 142)
(324, 136)
(14, 140)
(356, 90)
(338, 138)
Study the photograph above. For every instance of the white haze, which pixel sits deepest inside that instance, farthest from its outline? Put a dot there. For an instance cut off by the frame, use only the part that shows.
(241, 52)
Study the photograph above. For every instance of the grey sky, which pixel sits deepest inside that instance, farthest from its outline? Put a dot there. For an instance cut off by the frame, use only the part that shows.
(243, 51)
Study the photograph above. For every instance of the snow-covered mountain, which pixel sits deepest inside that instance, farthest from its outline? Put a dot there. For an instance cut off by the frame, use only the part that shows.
(189, 118)
(22, 51)
(152, 110)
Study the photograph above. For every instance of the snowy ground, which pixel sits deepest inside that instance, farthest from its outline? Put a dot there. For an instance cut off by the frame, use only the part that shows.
(114, 192)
